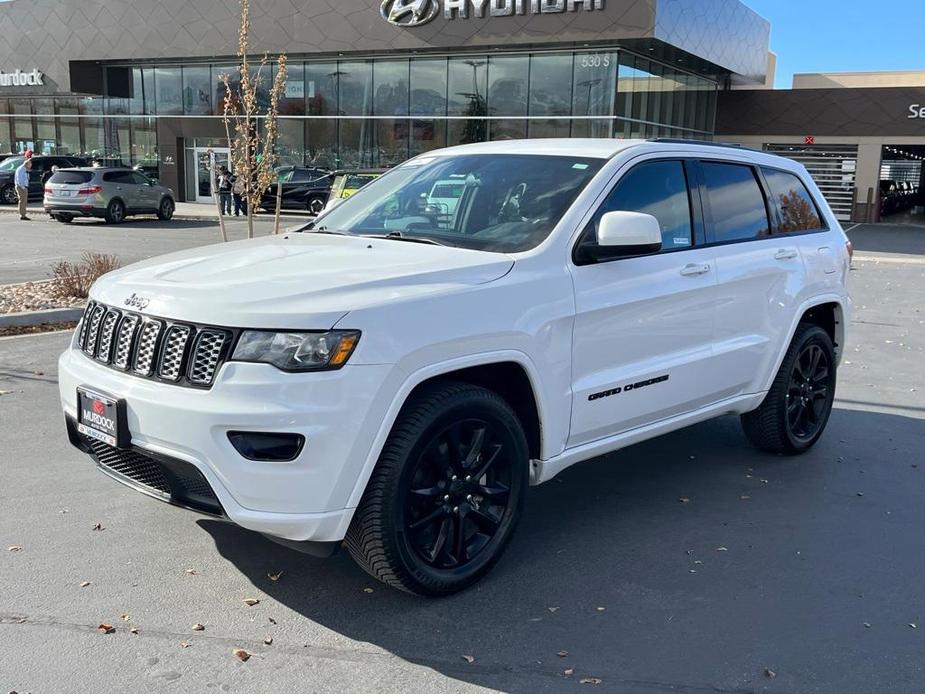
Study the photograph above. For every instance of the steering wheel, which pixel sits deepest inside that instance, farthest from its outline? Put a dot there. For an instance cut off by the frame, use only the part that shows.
(511, 207)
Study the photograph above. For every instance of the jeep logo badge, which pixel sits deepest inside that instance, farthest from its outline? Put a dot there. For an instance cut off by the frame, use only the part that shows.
(409, 13)
(135, 301)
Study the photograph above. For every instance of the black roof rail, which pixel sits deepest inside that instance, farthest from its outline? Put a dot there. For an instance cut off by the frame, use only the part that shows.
(704, 143)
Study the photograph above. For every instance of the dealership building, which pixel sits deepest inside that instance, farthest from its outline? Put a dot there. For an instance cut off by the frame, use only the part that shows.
(371, 83)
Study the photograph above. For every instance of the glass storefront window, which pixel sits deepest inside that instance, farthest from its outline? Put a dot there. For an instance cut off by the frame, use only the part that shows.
(6, 135)
(551, 94)
(466, 96)
(595, 85)
(321, 89)
(168, 90)
(426, 134)
(355, 85)
(23, 130)
(218, 86)
(197, 91)
(428, 86)
(356, 139)
(508, 78)
(292, 102)
(291, 143)
(94, 138)
(391, 84)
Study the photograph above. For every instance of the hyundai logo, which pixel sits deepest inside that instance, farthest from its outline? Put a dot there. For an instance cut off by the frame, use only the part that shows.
(409, 13)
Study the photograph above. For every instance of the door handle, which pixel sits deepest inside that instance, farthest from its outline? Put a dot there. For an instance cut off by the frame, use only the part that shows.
(695, 270)
(786, 254)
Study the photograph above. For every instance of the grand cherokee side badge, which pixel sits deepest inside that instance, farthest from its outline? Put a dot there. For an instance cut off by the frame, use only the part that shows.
(135, 301)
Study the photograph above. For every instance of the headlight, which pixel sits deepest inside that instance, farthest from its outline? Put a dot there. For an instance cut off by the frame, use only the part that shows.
(305, 351)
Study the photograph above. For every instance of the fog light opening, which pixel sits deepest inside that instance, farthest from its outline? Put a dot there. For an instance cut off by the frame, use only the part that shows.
(267, 447)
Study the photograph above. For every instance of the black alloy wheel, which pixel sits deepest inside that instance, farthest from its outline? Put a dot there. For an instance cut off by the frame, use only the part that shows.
(446, 494)
(796, 409)
(808, 394)
(459, 494)
(8, 195)
(315, 205)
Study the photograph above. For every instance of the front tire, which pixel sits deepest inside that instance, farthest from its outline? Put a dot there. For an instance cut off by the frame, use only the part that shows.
(64, 218)
(115, 213)
(446, 494)
(796, 410)
(166, 209)
(316, 205)
(8, 195)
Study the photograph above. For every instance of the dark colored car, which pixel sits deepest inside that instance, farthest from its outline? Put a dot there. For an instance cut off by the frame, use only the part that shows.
(38, 176)
(303, 189)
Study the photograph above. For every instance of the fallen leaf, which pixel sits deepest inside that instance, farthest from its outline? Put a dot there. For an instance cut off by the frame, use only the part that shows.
(250, 602)
(198, 627)
(913, 626)
(684, 500)
(770, 674)
(745, 497)
(241, 654)
(123, 617)
(568, 672)
(553, 609)
(867, 625)
(272, 621)
(275, 577)
(721, 549)
(192, 572)
(98, 526)
(601, 609)
(268, 640)
(185, 644)
(106, 628)
(6, 392)
(469, 659)
(134, 630)
(367, 590)
(15, 548)
(590, 680)
(562, 654)
(85, 584)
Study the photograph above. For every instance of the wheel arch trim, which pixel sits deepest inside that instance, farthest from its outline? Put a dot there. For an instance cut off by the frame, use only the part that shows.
(843, 308)
(427, 373)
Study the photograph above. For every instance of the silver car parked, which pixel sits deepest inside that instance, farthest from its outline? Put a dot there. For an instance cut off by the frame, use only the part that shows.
(107, 192)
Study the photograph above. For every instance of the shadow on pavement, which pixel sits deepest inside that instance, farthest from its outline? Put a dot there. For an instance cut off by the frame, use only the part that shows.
(711, 562)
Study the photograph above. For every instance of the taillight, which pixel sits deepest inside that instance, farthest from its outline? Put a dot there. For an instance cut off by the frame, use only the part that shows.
(48, 191)
(850, 247)
(91, 190)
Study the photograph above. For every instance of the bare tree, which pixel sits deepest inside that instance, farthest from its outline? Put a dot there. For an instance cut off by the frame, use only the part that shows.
(253, 153)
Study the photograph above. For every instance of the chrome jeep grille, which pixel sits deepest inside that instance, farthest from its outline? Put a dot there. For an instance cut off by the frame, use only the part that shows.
(154, 348)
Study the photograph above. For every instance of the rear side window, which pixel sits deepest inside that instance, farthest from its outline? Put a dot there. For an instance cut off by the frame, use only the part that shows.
(71, 177)
(118, 177)
(798, 211)
(736, 202)
(657, 188)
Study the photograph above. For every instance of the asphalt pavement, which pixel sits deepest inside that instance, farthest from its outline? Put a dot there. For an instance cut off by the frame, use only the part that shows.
(691, 563)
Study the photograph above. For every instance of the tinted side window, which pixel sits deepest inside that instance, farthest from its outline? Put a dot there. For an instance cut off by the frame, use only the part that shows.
(736, 202)
(658, 188)
(299, 176)
(798, 212)
(139, 180)
(118, 177)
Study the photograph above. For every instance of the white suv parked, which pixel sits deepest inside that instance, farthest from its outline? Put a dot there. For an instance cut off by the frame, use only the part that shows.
(396, 375)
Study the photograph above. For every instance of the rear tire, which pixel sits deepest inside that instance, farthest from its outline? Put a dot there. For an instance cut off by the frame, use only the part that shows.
(64, 218)
(8, 195)
(115, 213)
(446, 494)
(796, 409)
(315, 205)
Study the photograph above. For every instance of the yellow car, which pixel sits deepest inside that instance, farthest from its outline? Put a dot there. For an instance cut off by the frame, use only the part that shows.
(346, 183)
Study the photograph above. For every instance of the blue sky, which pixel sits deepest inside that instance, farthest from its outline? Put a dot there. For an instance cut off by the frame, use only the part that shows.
(844, 35)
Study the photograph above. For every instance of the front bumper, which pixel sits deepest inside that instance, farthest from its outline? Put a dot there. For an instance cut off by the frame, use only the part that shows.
(302, 500)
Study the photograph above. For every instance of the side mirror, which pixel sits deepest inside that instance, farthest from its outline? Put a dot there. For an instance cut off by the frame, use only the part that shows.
(622, 234)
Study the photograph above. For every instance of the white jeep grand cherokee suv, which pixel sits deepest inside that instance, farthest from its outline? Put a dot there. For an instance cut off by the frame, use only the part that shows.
(394, 375)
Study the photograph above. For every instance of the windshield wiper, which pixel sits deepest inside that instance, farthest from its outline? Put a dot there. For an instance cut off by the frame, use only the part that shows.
(399, 236)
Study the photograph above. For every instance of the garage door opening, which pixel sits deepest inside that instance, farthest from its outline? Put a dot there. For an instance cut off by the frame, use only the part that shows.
(902, 184)
(833, 167)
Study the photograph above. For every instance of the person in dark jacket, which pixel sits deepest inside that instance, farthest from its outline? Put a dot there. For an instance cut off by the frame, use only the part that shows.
(238, 191)
(224, 190)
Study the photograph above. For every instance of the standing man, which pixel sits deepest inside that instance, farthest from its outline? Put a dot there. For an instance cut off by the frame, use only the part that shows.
(224, 190)
(238, 190)
(22, 187)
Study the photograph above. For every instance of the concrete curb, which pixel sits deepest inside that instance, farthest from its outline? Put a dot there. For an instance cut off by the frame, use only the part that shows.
(178, 216)
(52, 315)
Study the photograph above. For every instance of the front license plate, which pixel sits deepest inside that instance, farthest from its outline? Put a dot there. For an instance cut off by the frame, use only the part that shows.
(102, 417)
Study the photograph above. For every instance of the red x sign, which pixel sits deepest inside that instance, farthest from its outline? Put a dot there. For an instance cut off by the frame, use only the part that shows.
(809, 140)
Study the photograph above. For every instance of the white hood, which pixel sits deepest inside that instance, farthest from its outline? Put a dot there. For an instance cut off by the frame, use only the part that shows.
(307, 281)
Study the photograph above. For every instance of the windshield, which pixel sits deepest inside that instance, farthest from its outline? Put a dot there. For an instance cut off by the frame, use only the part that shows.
(494, 202)
(11, 163)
